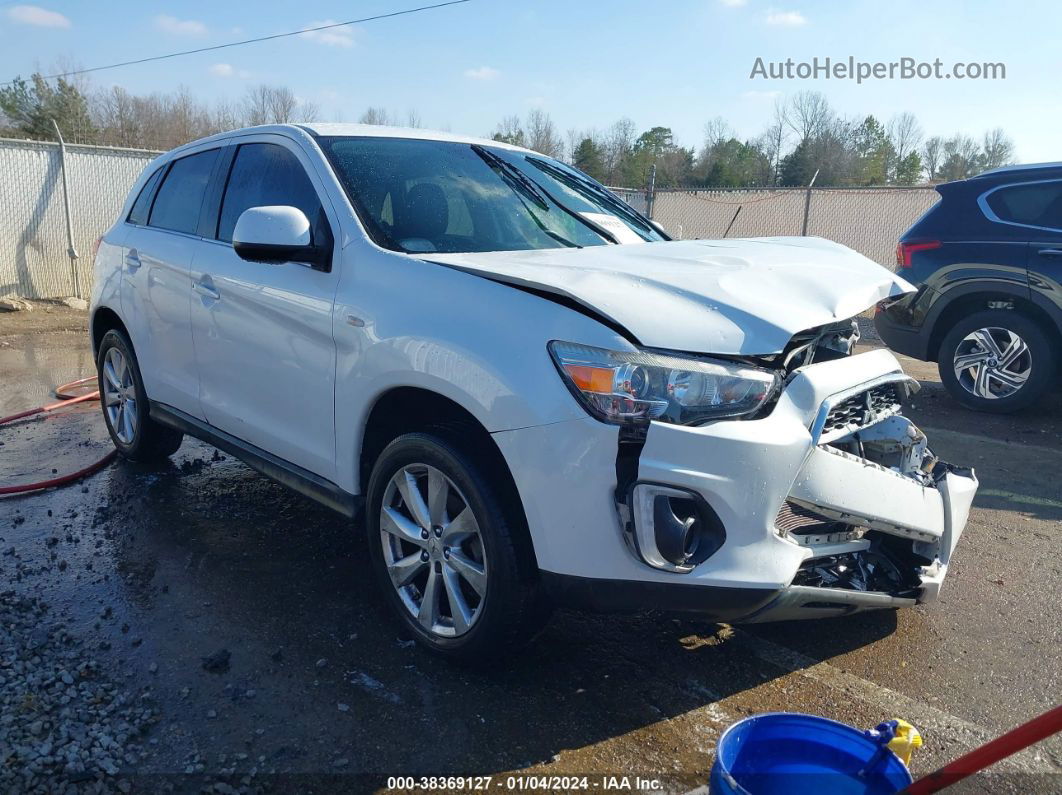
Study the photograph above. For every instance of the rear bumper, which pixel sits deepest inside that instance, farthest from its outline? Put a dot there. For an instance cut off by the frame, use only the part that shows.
(909, 340)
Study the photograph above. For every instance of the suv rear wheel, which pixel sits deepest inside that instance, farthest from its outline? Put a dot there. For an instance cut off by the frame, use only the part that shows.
(997, 360)
(442, 541)
(125, 404)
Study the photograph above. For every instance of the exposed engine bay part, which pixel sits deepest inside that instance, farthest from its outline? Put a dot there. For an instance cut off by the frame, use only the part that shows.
(893, 443)
(832, 341)
(810, 528)
(870, 570)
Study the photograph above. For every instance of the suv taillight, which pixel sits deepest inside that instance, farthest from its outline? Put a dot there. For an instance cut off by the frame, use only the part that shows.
(905, 250)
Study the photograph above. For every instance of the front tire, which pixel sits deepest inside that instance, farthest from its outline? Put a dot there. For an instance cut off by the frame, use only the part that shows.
(125, 404)
(997, 360)
(443, 544)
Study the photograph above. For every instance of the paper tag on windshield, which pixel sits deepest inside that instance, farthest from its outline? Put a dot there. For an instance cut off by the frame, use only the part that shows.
(611, 223)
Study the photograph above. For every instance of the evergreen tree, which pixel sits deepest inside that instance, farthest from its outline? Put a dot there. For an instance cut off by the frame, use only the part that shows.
(30, 107)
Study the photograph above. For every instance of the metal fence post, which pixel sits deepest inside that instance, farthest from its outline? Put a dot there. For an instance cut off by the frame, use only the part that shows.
(807, 203)
(70, 250)
(650, 193)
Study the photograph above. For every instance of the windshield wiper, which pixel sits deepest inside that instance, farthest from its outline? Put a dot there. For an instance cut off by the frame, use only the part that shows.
(519, 187)
(585, 186)
(536, 191)
(516, 178)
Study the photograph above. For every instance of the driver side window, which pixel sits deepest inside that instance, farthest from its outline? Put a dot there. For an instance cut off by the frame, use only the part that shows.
(268, 174)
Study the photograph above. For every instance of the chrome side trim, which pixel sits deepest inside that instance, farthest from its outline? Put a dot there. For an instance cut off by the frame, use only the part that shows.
(989, 213)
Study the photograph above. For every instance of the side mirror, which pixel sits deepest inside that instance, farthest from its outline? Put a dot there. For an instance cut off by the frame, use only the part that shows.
(659, 228)
(276, 234)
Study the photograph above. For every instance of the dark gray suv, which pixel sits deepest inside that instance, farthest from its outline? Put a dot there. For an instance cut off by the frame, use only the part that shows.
(987, 261)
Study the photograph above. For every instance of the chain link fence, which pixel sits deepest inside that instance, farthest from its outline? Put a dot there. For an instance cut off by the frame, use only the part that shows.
(869, 220)
(34, 257)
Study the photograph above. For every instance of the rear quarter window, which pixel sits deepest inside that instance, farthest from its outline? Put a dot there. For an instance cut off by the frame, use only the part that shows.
(1032, 204)
(139, 214)
(180, 197)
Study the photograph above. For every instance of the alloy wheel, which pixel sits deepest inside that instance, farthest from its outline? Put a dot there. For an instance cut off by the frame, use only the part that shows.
(992, 363)
(433, 550)
(119, 395)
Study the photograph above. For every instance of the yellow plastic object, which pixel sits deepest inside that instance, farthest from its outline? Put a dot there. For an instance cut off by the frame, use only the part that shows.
(906, 740)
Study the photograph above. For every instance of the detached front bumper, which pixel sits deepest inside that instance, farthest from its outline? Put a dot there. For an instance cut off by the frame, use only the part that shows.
(831, 504)
(834, 500)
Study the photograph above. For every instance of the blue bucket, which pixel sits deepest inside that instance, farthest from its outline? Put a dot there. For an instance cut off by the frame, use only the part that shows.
(786, 753)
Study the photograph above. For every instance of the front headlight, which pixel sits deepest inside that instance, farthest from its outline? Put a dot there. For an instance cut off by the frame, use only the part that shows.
(622, 387)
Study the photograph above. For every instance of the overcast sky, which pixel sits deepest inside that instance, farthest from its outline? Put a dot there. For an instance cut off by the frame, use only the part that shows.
(675, 64)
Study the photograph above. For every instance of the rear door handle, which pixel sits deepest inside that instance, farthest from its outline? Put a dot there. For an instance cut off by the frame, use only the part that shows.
(206, 288)
(132, 259)
(1050, 252)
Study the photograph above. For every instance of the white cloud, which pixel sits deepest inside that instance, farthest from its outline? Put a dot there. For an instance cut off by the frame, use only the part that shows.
(180, 27)
(482, 73)
(733, 3)
(228, 70)
(761, 94)
(333, 37)
(35, 15)
(786, 19)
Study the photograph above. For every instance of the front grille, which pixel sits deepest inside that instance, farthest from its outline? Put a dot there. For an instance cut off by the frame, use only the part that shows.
(807, 527)
(861, 410)
(794, 518)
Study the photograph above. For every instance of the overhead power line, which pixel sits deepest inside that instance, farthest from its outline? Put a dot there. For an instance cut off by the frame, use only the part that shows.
(251, 41)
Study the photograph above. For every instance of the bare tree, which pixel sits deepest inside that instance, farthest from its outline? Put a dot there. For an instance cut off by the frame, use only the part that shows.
(997, 149)
(265, 104)
(374, 115)
(227, 116)
(716, 131)
(619, 142)
(510, 130)
(808, 114)
(542, 134)
(115, 114)
(282, 105)
(933, 155)
(413, 118)
(905, 134)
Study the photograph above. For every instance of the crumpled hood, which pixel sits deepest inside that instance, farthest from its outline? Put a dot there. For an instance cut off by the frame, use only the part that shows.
(738, 297)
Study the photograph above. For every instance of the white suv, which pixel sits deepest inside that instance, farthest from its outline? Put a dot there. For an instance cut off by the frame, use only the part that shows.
(530, 393)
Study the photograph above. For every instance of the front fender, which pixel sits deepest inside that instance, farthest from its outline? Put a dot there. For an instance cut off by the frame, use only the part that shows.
(402, 322)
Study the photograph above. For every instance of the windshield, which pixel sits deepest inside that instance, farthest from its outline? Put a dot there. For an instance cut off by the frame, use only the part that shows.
(422, 196)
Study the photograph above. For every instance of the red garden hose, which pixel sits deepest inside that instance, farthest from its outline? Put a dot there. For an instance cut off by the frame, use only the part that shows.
(988, 754)
(66, 399)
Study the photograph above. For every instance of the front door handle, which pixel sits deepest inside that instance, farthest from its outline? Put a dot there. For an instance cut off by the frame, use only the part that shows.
(1050, 252)
(206, 288)
(132, 259)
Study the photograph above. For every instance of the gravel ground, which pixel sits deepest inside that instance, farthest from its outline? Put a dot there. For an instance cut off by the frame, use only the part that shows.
(63, 717)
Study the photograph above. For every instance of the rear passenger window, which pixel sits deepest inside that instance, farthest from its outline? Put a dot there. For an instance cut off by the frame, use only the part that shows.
(139, 214)
(180, 198)
(264, 175)
(1035, 204)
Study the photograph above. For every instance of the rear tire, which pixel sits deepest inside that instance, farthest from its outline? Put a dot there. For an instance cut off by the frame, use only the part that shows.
(460, 550)
(125, 404)
(997, 360)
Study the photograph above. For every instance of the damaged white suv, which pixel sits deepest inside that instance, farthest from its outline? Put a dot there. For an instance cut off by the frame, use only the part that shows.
(531, 395)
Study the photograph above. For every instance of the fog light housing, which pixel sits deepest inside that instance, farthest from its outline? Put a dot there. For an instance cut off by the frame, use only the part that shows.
(672, 529)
